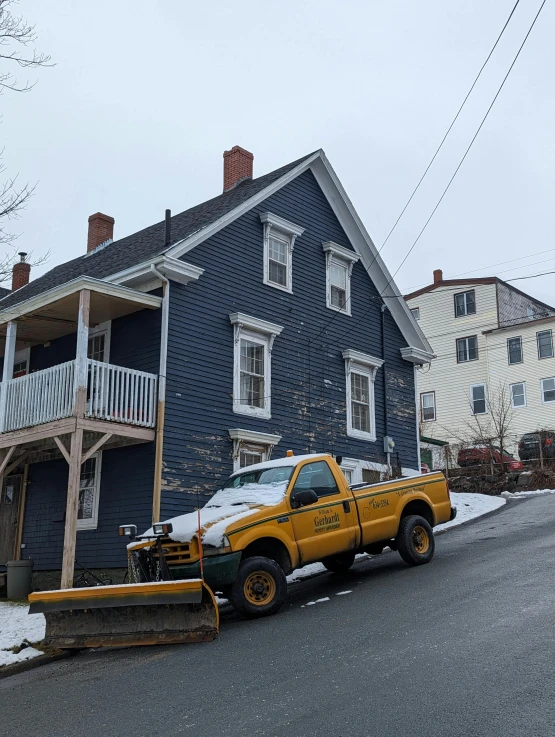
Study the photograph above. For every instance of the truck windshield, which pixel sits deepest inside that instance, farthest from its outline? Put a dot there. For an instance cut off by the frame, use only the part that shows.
(262, 487)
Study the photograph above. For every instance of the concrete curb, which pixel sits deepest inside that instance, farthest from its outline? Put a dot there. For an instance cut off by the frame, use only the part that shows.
(25, 665)
(473, 520)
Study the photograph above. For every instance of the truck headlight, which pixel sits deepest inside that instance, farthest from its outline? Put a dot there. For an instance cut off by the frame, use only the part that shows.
(128, 531)
(162, 528)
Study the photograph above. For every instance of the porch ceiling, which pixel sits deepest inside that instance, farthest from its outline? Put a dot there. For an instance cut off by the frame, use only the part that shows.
(54, 313)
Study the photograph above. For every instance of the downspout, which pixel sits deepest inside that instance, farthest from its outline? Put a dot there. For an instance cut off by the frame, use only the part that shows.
(385, 416)
(157, 491)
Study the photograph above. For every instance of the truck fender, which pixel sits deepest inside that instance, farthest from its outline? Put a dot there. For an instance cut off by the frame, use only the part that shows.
(254, 540)
(421, 505)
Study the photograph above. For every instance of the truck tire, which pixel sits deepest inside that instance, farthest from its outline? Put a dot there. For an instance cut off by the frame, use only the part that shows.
(339, 563)
(415, 540)
(260, 588)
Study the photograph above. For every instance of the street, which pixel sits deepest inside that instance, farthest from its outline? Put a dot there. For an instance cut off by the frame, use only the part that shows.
(463, 646)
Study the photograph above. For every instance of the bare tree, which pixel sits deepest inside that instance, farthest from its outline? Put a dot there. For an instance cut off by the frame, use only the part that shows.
(17, 40)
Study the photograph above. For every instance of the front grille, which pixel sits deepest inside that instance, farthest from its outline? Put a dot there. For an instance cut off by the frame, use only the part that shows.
(177, 553)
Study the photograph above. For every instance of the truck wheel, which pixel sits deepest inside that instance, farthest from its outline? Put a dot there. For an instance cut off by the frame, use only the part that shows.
(339, 563)
(260, 588)
(415, 540)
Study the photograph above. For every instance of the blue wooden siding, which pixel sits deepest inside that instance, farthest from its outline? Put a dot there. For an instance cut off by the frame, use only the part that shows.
(308, 371)
(125, 497)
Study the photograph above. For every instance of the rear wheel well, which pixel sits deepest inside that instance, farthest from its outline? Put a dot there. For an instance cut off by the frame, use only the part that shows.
(421, 508)
(269, 547)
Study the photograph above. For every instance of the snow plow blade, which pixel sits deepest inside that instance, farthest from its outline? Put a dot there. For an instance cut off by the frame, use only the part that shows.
(160, 613)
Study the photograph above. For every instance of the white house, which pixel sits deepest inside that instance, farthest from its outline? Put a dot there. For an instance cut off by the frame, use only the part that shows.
(489, 338)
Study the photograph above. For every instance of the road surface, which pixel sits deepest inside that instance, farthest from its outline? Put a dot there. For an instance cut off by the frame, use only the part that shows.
(461, 647)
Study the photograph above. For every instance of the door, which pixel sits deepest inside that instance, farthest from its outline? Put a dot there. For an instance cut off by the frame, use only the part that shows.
(328, 526)
(9, 512)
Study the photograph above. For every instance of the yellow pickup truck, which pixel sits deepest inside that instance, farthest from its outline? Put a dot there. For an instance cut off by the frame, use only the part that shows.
(271, 518)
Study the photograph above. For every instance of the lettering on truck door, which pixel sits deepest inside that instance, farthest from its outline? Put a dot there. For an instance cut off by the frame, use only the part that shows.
(328, 526)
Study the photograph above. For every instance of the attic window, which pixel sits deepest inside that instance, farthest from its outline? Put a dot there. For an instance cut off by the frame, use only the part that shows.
(339, 266)
(279, 240)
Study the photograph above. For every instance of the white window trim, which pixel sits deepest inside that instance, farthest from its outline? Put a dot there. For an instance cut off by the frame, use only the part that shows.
(264, 333)
(23, 355)
(361, 363)
(106, 328)
(476, 414)
(422, 395)
(282, 229)
(547, 378)
(241, 437)
(466, 313)
(92, 522)
(519, 406)
(344, 257)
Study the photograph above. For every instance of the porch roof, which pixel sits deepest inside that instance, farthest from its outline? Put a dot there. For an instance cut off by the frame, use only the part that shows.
(53, 313)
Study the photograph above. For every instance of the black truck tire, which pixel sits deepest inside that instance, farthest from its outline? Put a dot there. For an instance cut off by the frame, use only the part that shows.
(339, 563)
(415, 540)
(260, 588)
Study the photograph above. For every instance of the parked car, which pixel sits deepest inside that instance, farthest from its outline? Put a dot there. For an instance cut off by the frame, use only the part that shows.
(529, 445)
(481, 454)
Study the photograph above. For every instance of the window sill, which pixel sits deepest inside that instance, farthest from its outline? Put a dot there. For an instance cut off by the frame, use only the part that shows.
(339, 309)
(361, 435)
(244, 409)
(88, 525)
(269, 283)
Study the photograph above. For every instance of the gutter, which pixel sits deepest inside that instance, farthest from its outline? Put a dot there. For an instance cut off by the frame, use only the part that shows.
(157, 490)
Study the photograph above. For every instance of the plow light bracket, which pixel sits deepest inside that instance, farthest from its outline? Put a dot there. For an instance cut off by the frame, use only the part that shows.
(128, 531)
(162, 528)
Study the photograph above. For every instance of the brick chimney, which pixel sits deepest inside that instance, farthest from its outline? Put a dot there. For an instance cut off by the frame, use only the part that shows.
(237, 166)
(438, 275)
(20, 273)
(101, 229)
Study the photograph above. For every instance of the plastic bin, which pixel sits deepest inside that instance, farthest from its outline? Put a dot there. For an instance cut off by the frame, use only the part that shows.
(20, 578)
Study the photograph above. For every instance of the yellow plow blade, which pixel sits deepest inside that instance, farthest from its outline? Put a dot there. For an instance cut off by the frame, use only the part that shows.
(164, 612)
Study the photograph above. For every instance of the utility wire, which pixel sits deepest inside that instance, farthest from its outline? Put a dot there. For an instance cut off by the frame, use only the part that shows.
(415, 190)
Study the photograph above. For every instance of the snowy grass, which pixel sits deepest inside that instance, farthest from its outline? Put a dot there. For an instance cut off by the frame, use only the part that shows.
(18, 628)
(470, 506)
(524, 494)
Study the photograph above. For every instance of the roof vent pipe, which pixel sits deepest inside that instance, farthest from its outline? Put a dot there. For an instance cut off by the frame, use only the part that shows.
(168, 235)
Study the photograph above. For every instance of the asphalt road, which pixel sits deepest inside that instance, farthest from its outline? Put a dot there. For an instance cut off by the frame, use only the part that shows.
(463, 646)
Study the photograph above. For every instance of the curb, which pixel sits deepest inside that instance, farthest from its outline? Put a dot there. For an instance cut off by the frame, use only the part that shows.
(473, 520)
(32, 663)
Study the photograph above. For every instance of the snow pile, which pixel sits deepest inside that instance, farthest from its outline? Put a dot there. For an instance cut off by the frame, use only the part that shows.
(214, 535)
(17, 628)
(265, 495)
(524, 494)
(470, 506)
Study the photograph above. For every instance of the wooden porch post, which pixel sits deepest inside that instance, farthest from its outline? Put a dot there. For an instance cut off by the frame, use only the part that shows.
(7, 373)
(74, 476)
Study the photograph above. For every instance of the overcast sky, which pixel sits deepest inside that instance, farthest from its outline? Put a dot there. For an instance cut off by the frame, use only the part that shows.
(145, 97)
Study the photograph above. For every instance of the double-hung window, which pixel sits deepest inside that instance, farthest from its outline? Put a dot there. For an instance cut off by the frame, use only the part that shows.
(545, 344)
(279, 240)
(339, 266)
(467, 349)
(251, 447)
(252, 381)
(514, 349)
(360, 370)
(518, 395)
(428, 406)
(89, 493)
(548, 390)
(465, 303)
(478, 401)
(98, 348)
(21, 363)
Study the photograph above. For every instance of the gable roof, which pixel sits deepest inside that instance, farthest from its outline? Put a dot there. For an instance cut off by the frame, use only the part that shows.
(117, 261)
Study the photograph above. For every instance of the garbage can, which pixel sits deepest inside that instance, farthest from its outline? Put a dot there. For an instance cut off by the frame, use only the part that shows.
(20, 578)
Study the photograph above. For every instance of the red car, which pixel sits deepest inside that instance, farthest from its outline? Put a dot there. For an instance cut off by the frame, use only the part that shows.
(482, 454)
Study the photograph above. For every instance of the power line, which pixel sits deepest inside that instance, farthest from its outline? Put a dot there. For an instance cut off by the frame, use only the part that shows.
(531, 276)
(415, 190)
(468, 148)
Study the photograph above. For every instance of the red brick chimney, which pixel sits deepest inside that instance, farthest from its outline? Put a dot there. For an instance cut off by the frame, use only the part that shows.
(438, 275)
(20, 273)
(237, 166)
(101, 229)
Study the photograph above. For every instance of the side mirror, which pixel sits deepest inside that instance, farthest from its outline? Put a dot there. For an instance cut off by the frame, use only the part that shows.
(303, 497)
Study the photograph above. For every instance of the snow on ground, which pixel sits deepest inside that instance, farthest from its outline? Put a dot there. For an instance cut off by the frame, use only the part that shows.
(16, 628)
(524, 494)
(470, 506)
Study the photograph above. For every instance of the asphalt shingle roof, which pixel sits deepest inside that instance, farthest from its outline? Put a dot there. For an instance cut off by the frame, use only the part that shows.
(147, 243)
(4, 292)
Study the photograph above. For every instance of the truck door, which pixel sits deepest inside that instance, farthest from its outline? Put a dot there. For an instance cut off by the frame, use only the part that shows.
(328, 526)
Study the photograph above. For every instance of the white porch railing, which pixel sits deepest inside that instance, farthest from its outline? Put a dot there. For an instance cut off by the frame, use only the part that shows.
(113, 393)
(121, 394)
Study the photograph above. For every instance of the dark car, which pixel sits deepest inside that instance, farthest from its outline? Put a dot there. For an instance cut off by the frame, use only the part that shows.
(481, 454)
(529, 445)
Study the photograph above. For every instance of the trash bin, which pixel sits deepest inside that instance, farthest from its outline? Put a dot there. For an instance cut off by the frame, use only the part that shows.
(20, 578)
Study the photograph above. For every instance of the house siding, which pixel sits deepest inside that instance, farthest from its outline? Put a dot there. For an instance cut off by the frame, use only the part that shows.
(308, 379)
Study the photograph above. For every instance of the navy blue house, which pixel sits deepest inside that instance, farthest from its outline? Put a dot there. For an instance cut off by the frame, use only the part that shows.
(138, 376)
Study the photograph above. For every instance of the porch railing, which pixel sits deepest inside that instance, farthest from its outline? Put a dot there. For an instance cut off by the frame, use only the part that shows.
(114, 393)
